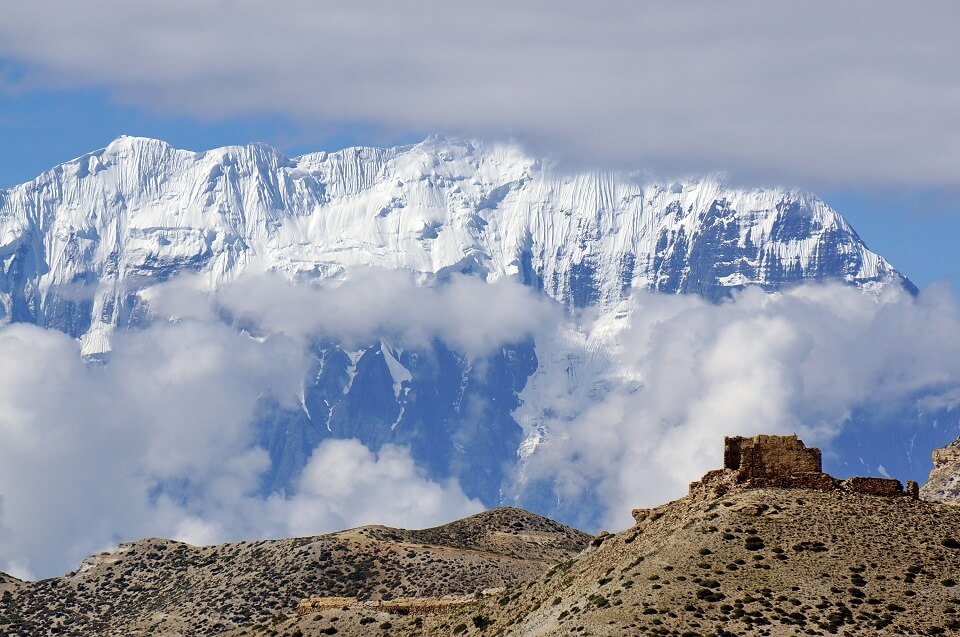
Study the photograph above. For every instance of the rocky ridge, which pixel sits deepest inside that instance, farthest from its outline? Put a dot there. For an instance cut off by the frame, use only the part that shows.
(161, 587)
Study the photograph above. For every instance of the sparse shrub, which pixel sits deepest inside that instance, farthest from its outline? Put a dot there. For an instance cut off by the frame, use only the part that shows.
(481, 622)
(708, 595)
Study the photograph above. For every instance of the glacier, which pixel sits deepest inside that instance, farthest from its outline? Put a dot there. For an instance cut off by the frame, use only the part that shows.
(83, 244)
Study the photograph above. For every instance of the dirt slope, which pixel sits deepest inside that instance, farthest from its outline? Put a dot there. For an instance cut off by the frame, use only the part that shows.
(752, 562)
(161, 587)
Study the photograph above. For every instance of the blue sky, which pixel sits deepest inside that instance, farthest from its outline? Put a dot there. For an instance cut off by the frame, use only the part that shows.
(918, 231)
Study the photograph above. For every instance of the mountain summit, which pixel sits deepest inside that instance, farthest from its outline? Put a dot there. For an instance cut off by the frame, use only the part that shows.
(83, 240)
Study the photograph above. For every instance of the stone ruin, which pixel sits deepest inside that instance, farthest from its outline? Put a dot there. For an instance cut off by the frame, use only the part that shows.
(398, 606)
(785, 462)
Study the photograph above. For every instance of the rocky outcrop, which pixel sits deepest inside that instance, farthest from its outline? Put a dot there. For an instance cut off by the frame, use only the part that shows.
(766, 461)
(944, 482)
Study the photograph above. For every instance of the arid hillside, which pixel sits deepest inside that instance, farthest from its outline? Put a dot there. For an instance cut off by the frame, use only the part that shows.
(753, 562)
(161, 587)
(7, 582)
(769, 545)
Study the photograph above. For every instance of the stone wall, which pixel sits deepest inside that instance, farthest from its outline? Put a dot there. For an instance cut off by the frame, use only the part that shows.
(399, 606)
(887, 487)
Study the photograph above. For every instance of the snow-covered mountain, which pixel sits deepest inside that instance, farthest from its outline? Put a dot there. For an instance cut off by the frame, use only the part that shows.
(82, 243)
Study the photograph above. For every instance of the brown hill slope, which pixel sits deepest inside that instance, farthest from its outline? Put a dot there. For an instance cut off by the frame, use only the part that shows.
(752, 562)
(161, 587)
(769, 545)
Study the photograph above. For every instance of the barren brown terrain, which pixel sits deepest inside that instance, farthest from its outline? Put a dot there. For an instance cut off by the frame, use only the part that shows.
(767, 545)
(161, 587)
(753, 562)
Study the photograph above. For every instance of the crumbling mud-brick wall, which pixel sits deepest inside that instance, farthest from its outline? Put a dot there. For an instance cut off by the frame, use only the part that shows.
(886, 487)
(770, 457)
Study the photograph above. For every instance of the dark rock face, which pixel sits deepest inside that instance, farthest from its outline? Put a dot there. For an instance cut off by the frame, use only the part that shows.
(454, 415)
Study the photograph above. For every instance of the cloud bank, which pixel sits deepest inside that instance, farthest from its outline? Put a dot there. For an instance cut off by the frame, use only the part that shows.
(160, 440)
(816, 92)
(465, 312)
(636, 428)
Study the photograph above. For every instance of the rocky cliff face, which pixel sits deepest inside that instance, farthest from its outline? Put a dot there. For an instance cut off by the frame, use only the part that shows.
(944, 482)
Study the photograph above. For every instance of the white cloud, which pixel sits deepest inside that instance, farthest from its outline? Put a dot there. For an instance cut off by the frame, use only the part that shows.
(345, 484)
(465, 312)
(816, 92)
(160, 441)
(800, 361)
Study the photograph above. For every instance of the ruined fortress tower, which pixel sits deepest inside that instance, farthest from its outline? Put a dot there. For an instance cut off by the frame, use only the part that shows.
(785, 462)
